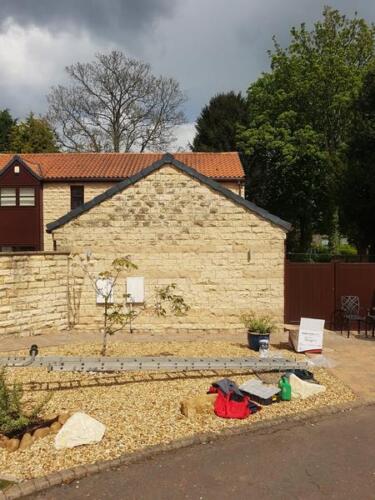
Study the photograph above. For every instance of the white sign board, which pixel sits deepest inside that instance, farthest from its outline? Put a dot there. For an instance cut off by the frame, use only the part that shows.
(104, 288)
(135, 290)
(309, 337)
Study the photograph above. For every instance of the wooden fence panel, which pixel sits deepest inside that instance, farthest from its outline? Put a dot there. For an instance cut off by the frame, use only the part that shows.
(309, 291)
(315, 289)
(356, 279)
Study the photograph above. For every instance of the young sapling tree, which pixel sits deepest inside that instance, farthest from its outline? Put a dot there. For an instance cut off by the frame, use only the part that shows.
(118, 315)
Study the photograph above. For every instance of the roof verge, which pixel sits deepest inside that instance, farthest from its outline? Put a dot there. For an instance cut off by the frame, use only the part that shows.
(167, 159)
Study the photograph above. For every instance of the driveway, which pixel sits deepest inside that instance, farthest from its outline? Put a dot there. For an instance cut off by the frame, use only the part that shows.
(330, 458)
(355, 362)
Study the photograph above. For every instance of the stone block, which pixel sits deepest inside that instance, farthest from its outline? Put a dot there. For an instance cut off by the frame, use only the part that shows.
(198, 405)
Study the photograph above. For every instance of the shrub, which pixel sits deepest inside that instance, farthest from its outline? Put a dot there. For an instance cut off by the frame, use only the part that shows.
(116, 316)
(13, 418)
(347, 250)
(259, 324)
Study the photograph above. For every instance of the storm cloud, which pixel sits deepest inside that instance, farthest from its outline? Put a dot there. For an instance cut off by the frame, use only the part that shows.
(108, 18)
(208, 45)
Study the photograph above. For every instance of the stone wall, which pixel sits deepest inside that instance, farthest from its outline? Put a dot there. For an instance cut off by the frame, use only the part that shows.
(56, 201)
(234, 186)
(33, 293)
(224, 259)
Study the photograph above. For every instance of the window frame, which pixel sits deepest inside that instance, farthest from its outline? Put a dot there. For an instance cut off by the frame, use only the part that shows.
(17, 190)
(33, 196)
(15, 196)
(74, 197)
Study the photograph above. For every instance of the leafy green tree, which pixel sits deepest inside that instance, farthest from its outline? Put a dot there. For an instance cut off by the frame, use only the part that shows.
(358, 185)
(33, 135)
(217, 124)
(307, 96)
(6, 124)
(289, 177)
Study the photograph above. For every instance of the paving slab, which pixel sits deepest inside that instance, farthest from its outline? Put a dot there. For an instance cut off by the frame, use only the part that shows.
(354, 361)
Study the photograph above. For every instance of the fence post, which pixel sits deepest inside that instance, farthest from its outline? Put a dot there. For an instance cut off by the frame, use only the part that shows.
(334, 294)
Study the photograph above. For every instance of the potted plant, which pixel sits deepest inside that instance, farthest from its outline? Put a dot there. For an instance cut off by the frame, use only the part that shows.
(259, 327)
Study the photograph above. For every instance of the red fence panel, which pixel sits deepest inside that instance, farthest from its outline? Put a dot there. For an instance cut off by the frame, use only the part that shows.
(356, 279)
(315, 289)
(309, 291)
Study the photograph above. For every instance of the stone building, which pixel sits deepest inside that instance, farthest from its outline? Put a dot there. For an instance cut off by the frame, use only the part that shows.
(36, 189)
(225, 254)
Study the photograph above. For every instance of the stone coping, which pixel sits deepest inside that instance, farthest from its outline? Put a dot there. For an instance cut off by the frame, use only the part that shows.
(33, 486)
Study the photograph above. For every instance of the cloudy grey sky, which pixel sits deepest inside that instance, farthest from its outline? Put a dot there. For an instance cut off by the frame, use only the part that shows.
(207, 45)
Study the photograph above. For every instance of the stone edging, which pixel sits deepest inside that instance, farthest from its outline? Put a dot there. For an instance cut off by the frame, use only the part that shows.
(68, 475)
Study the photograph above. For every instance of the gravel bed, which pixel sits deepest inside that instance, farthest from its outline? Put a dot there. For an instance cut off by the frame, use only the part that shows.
(139, 409)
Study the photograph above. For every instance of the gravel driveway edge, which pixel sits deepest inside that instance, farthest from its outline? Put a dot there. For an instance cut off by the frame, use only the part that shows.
(32, 486)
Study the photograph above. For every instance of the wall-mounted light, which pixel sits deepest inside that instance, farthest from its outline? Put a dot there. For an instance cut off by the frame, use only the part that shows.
(249, 256)
(16, 169)
(88, 253)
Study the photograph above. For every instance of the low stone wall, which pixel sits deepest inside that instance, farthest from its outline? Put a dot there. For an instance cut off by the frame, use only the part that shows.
(33, 292)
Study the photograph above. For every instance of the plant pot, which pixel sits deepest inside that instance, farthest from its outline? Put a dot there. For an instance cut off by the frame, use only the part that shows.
(253, 339)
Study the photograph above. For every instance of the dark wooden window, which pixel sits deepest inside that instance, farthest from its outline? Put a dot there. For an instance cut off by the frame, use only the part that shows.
(8, 197)
(27, 197)
(77, 195)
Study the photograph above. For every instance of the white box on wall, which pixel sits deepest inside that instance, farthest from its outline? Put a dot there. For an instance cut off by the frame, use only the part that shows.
(103, 288)
(135, 290)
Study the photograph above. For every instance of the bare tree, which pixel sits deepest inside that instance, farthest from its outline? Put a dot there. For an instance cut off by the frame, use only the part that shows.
(115, 103)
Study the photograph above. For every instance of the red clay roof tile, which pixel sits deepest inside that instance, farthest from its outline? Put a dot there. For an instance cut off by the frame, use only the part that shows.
(69, 166)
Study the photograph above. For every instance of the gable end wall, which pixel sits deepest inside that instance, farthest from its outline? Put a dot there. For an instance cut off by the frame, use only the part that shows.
(56, 200)
(224, 259)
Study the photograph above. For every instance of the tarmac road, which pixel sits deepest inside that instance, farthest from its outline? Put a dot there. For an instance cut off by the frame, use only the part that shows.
(331, 458)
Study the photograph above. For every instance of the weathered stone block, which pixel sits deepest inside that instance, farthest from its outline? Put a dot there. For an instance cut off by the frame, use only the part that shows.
(198, 405)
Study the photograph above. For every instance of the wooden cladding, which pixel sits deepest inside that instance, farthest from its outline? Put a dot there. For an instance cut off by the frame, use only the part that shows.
(20, 209)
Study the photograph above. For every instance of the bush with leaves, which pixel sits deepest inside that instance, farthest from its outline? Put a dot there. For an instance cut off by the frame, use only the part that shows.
(116, 316)
(258, 324)
(13, 416)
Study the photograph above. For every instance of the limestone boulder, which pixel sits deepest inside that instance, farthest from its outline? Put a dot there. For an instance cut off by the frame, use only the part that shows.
(56, 426)
(198, 405)
(26, 441)
(41, 433)
(12, 444)
(63, 418)
(78, 430)
(3, 441)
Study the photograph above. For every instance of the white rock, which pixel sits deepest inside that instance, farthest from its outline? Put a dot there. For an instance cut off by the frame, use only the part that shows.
(79, 429)
(302, 389)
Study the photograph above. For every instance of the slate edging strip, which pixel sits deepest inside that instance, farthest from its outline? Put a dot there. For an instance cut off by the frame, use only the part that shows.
(37, 485)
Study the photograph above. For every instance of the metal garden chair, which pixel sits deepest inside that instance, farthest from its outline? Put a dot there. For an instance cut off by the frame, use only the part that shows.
(370, 318)
(350, 311)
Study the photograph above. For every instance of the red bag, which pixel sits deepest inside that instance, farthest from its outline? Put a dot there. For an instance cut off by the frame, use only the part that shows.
(228, 407)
